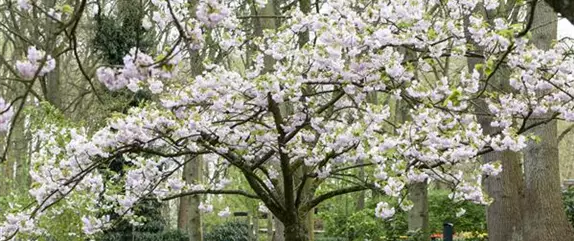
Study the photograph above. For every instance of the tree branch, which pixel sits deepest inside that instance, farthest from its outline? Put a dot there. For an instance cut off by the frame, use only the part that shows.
(321, 198)
(225, 192)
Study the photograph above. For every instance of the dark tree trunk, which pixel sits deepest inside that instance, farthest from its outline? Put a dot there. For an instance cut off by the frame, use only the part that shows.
(296, 231)
(564, 7)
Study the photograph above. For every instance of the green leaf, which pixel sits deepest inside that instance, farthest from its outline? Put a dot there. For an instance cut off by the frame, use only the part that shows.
(479, 67)
(432, 33)
(536, 139)
(67, 9)
(454, 97)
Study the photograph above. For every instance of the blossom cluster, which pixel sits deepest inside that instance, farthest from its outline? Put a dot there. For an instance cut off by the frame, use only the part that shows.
(6, 113)
(37, 63)
(138, 67)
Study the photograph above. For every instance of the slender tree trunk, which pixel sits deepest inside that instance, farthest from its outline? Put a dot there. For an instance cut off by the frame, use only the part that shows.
(418, 216)
(310, 225)
(19, 153)
(269, 226)
(166, 213)
(418, 219)
(189, 216)
(545, 219)
(255, 229)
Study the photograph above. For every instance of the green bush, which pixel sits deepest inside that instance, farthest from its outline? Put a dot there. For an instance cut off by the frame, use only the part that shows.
(229, 231)
(154, 228)
(443, 209)
(361, 225)
(568, 198)
(342, 221)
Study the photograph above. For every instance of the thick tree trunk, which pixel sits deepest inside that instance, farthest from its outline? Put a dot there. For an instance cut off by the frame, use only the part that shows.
(296, 232)
(504, 214)
(189, 216)
(545, 219)
(279, 230)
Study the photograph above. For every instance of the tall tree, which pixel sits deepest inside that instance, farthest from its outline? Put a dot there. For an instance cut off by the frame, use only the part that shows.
(545, 218)
(189, 217)
(504, 214)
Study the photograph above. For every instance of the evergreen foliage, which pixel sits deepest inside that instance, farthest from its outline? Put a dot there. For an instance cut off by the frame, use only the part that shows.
(116, 34)
(229, 231)
(154, 228)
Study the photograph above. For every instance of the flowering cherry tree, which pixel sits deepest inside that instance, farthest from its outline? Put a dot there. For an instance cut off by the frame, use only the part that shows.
(294, 115)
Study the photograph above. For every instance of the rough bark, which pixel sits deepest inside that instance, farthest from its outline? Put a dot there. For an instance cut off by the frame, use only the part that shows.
(545, 219)
(504, 214)
(296, 231)
(279, 231)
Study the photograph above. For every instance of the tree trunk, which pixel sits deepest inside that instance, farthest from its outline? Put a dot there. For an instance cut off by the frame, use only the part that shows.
(504, 215)
(269, 226)
(418, 219)
(19, 153)
(545, 219)
(296, 232)
(189, 216)
(255, 226)
(564, 7)
(279, 231)
(418, 216)
(310, 218)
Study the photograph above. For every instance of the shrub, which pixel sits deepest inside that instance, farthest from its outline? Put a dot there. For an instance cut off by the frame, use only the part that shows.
(229, 231)
(342, 221)
(568, 198)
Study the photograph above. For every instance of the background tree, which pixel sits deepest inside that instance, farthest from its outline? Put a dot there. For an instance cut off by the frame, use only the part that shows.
(541, 160)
